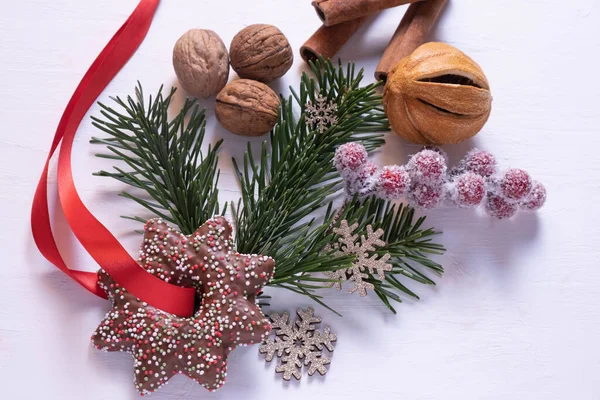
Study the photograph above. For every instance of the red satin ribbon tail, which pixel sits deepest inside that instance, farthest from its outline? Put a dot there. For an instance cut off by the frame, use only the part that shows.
(94, 236)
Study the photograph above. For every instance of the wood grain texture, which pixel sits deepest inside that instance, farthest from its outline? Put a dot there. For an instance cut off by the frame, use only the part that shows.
(516, 316)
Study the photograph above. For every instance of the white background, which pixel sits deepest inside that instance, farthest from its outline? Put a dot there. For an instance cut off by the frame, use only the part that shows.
(517, 314)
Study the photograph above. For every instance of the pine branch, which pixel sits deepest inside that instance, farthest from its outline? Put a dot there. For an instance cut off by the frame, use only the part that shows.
(164, 157)
(294, 176)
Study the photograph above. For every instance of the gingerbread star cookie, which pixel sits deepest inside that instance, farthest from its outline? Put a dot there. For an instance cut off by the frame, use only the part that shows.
(227, 315)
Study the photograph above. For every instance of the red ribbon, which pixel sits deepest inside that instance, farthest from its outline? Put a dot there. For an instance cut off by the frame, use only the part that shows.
(94, 236)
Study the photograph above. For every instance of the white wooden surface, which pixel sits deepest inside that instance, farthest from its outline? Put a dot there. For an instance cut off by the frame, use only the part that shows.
(517, 315)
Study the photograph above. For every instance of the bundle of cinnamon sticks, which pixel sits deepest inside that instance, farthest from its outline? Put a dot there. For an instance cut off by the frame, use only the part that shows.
(342, 18)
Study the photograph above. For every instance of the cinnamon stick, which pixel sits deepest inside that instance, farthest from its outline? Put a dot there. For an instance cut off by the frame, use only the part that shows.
(412, 32)
(328, 40)
(333, 12)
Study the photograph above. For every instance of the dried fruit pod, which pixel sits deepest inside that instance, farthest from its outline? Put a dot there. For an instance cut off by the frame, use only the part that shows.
(246, 107)
(437, 95)
(201, 62)
(261, 52)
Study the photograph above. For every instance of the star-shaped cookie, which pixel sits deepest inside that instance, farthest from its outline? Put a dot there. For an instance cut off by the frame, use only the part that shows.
(227, 316)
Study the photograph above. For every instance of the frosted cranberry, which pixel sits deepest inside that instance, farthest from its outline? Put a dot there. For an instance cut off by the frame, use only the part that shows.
(350, 157)
(499, 208)
(427, 166)
(362, 180)
(425, 196)
(480, 162)
(515, 184)
(392, 182)
(470, 189)
(370, 168)
(535, 199)
(439, 151)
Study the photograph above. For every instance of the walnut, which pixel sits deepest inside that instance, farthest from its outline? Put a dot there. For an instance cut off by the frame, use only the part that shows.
(201, 62)
(437, 95)
(246, 107)
(261, 52)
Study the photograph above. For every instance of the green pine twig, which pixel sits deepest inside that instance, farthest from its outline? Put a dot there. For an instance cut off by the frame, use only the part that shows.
(293, 177)
(164, 157)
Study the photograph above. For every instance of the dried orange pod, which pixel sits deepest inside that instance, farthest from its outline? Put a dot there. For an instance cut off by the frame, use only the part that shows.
(437, 95)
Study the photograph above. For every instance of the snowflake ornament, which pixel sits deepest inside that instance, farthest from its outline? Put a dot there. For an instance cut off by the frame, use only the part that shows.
(298, 341)
(321, 114)
(350, 245)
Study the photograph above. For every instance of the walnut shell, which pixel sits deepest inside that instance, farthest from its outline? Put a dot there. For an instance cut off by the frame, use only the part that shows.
(201, 62)
(437, 95)
(246, 107)
(261, 52)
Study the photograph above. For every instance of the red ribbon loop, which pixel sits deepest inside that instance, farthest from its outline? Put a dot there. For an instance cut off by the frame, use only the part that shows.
(95, 238)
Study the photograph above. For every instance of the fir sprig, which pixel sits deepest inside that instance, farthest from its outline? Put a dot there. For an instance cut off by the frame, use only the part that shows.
(164, 157)
(293, 177)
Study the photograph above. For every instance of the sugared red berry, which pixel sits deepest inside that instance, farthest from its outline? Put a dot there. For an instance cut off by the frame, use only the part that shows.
(363, 180)
(469, 189)
(425, 196)
(515, 184)
(392, 182)
(350, 157)
(368, 170)
(480, 162)
(498, 207)
(427, 167)
(535, 199)
(439, 151)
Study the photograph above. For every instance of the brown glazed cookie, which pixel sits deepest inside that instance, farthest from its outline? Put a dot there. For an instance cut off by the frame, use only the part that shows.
(163, 344)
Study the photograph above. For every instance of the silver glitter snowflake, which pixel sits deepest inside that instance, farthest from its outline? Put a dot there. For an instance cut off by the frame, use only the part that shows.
(322, 114)
(297, 341)
(350, 245)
